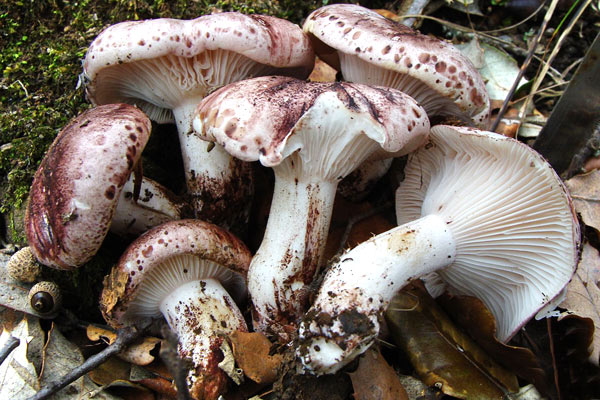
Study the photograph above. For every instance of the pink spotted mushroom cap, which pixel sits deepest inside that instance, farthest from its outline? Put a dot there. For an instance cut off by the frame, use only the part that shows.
(161, 64)
(312, 134)
(369, 48)
(77, 185)
(192, 273)
(166, 66)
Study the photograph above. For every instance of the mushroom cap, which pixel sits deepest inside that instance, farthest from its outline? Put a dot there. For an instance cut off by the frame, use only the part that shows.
(77, 185)
(356, 31)
(154, 261)
(264, 118)
(168, 50)
(517, 234)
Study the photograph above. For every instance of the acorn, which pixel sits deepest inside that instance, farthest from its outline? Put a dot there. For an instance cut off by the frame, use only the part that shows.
(23, 266)
(45, 297)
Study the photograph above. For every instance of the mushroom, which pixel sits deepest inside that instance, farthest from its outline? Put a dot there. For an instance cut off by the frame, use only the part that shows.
(76, 188)
(312, 134)
(371, 49)
(191, 273)
(155, 205)
(166, 66)
(486, 212)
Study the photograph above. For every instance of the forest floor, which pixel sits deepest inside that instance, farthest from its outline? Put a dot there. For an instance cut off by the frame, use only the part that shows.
(42, 45)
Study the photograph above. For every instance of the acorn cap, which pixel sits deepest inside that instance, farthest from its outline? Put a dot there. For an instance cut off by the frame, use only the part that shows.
(23, 266)
(45, 298)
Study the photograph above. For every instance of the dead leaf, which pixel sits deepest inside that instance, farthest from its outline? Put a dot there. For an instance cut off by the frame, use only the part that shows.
(471, 314)
(251, 352)
(585, 192)
(361, 218)
(443, 355)
(583, 295)
(138, 353)
(61, 356)
(322, 72)
(153, 381)
(374, 379)
(228, 364)
(18, 377)
(109, 371)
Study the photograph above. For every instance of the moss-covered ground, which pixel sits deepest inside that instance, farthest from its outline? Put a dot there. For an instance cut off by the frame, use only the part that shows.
(42, 44)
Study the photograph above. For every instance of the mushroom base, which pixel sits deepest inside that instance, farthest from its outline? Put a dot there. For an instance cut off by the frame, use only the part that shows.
(343, 322)
(202, 313)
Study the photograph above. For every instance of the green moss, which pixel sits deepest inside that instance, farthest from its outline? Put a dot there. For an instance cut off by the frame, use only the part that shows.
(41, 48)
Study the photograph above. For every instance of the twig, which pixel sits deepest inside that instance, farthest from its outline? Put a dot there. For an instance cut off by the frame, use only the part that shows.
(532, 47)
(124, 337)
(12, 344)
(552, 353)
(540, 77)
(177, 366)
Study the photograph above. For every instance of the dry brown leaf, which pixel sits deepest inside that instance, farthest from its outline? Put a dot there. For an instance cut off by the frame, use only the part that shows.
(471, 314)
(387, 13)
(585, 191)
(137, 353)
(322, 72)
(374, 379)
(251, 352)
(110, 371)
(365, 224)
(583, 295)
(442, 354)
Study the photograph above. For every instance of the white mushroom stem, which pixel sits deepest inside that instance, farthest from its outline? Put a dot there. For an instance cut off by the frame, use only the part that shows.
(290, 253)
(155, 205)
(209, 169)
(200, 312)
(343, 320)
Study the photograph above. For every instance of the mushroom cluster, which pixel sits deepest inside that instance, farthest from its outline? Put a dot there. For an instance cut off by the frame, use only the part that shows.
(235, 86)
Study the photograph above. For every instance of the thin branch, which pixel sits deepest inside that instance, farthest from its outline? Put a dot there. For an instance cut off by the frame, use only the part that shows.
(177, 366)
(540, 77)
(553, 355)
(124, 337)
(12, 344)
(532, 47)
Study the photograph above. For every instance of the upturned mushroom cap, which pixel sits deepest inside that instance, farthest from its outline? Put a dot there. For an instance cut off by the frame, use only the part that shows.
(517, 234)
(140, 268)
(77, 185)
(487, 213)
(125, 62)
(259, 119)
(371, 49)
